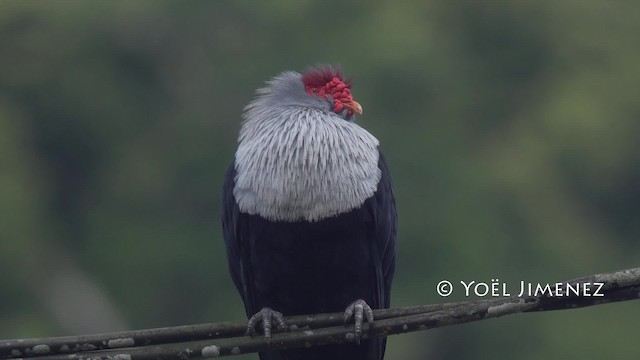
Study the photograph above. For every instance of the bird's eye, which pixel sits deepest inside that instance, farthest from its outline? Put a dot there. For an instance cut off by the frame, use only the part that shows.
(315, 90)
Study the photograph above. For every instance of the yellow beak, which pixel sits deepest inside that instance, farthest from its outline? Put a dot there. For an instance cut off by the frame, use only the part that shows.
(354, 106)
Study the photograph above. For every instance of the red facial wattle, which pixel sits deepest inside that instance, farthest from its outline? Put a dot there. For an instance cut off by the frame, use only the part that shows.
(328, 85)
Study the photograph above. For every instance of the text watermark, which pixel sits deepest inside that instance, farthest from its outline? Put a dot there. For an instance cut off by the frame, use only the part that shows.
(495, 288)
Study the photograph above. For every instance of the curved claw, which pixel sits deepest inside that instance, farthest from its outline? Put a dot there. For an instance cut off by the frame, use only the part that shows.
(357, 309)
(266, 315)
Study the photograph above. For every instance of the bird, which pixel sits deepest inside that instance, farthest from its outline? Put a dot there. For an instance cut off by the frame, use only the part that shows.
(308, 212)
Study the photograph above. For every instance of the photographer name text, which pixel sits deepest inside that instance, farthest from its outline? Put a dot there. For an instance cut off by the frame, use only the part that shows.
(495, 288)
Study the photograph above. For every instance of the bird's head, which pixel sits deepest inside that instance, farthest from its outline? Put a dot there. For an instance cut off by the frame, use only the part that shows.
(327, 82)
(321, 88)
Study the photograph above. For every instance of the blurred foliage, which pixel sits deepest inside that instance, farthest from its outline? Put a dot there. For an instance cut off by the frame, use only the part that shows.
(511, 130)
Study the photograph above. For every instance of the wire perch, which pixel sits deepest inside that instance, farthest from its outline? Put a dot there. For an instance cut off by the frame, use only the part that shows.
(227, 338)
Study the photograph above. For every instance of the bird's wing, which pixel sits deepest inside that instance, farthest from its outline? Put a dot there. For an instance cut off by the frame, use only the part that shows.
(386, 219)
(383, 211)
(237, 252)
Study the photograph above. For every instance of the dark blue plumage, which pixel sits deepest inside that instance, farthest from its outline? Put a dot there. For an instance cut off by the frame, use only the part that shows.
(314, 266)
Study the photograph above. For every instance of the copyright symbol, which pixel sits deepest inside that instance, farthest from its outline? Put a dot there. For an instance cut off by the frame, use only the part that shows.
(444, 288)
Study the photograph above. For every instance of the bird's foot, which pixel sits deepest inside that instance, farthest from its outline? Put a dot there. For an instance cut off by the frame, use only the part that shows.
(266, 316)
(356, 310)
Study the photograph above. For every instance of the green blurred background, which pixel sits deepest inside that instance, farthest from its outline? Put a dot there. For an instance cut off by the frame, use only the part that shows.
(511, 130)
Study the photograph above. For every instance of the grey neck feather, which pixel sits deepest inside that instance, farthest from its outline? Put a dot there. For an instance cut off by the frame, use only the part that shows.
(298, 160)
